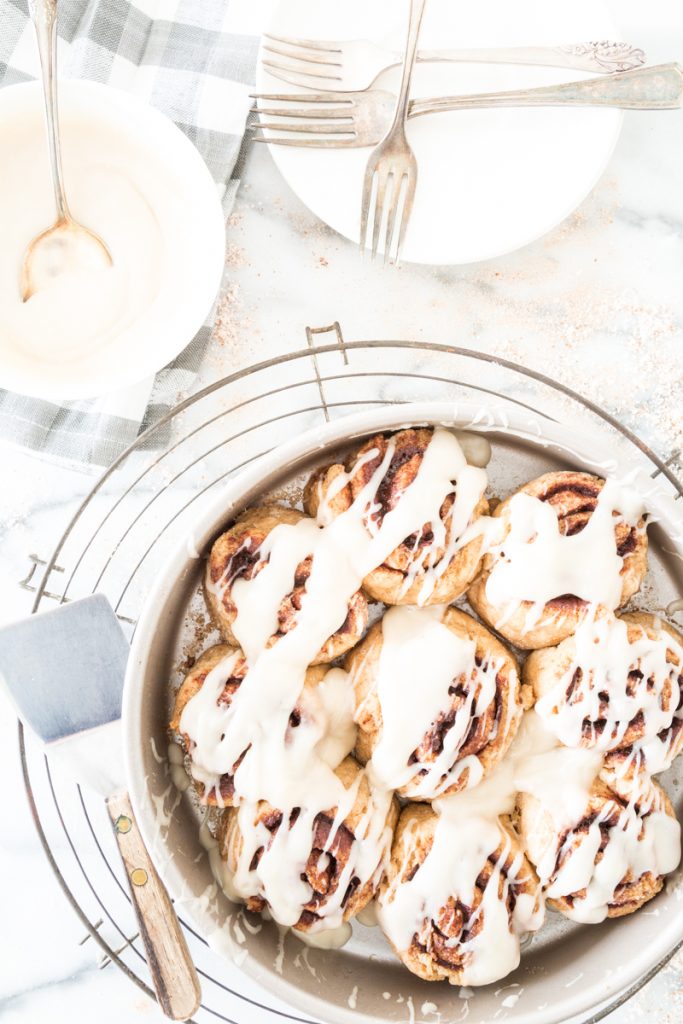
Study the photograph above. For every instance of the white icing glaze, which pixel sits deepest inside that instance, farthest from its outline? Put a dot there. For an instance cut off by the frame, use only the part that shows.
(535, 562)
(561, 778)
(638, 844)
(416, 644)
(639, 677)
(428, 490)
(462, 844)
(291, 768)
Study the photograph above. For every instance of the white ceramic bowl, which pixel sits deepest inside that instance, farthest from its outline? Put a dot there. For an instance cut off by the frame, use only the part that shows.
(568, 969)
(192, 230)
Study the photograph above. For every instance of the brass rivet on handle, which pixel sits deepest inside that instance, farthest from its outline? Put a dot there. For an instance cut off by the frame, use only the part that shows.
(123, 824)
(138, 876)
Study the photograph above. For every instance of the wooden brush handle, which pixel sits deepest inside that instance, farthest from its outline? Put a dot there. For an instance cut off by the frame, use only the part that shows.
(168, 958)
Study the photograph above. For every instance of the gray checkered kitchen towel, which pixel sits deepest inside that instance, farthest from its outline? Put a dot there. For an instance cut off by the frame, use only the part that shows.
(193, 59)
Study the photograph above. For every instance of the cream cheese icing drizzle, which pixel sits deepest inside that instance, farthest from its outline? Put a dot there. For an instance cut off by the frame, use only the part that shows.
(644, 839)
(416, 645)
(448, 535)
(286, 766)
(535, 562)
(614, 680)
(464, 843)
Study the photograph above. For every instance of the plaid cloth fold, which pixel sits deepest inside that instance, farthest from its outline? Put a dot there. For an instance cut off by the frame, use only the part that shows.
(193, 59)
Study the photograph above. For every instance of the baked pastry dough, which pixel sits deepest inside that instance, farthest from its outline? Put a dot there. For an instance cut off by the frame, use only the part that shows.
(228, 668)
(616, 686)
(432, 565)
(609, 860)
(437, 700)
(241, 553)
(335, 883)
(591, 545)
(457, 896)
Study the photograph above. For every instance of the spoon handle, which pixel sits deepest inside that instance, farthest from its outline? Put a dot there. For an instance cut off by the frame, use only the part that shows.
(44, 16)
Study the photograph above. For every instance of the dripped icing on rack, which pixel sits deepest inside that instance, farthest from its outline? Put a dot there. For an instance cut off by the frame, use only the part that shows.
(416, 644)
(622, 686)
(286, 763)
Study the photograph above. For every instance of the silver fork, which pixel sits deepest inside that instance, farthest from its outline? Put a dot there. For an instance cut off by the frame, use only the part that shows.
(326, 120)
(391, 173)
(352, 65)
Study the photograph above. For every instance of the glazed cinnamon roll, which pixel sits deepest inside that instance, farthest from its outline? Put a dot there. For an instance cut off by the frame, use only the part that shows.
(313, 869)
(457, 896)
(243, 552)
(434, 564)
(608, 859)
(567, 541)
(437, 701)
(222, 669)
(202, 706)
(616, 685)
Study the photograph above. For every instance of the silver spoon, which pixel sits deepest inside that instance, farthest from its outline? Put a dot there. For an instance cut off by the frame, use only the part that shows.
(67, 245)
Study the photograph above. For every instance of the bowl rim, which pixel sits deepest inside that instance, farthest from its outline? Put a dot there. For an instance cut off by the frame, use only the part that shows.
(591, 452)
(179, 329)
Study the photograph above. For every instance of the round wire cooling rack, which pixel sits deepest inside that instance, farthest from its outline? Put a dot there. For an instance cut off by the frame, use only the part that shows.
(146, 502)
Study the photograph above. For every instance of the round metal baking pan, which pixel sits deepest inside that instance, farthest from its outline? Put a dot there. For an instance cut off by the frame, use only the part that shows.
(140, 507)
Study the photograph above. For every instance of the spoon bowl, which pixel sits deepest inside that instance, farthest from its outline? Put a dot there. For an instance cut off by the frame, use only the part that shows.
(65, 247)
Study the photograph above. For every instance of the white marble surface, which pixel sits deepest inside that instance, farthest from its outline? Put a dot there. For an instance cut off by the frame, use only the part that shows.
(597, 304)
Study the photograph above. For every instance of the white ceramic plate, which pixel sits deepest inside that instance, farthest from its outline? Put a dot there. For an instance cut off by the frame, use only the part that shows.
(568, 968)
(192, 228)
(490, 181)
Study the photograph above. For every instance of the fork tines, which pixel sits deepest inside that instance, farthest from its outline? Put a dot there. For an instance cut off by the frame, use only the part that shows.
(326, 116)
(306, 51)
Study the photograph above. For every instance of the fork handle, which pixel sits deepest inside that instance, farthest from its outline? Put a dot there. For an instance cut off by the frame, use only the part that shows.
(655, 88)
(599, 57)
(414, 21)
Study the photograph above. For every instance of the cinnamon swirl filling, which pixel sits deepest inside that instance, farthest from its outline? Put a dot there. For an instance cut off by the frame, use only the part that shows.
(616, 685)
(242, 553)
(613, 859)
(429, 565)
(472, 904)
(226, 669)
(438, 701)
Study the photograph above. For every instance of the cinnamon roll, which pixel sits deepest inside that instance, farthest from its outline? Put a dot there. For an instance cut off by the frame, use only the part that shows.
(435, 563)
(567, 541)
(616, 685)
(203, 702)
(607, 859)
(457, 896)
(222, 670)
(437, 701)
(313, 869)
(240, 554)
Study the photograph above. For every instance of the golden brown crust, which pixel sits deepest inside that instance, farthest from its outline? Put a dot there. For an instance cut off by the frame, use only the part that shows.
(334, 854)
(573, 496)
(189, 688)
(235, 554)
(387, 582)
(490, 733)
(609, 796)
(438, 950)
(544, 668)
